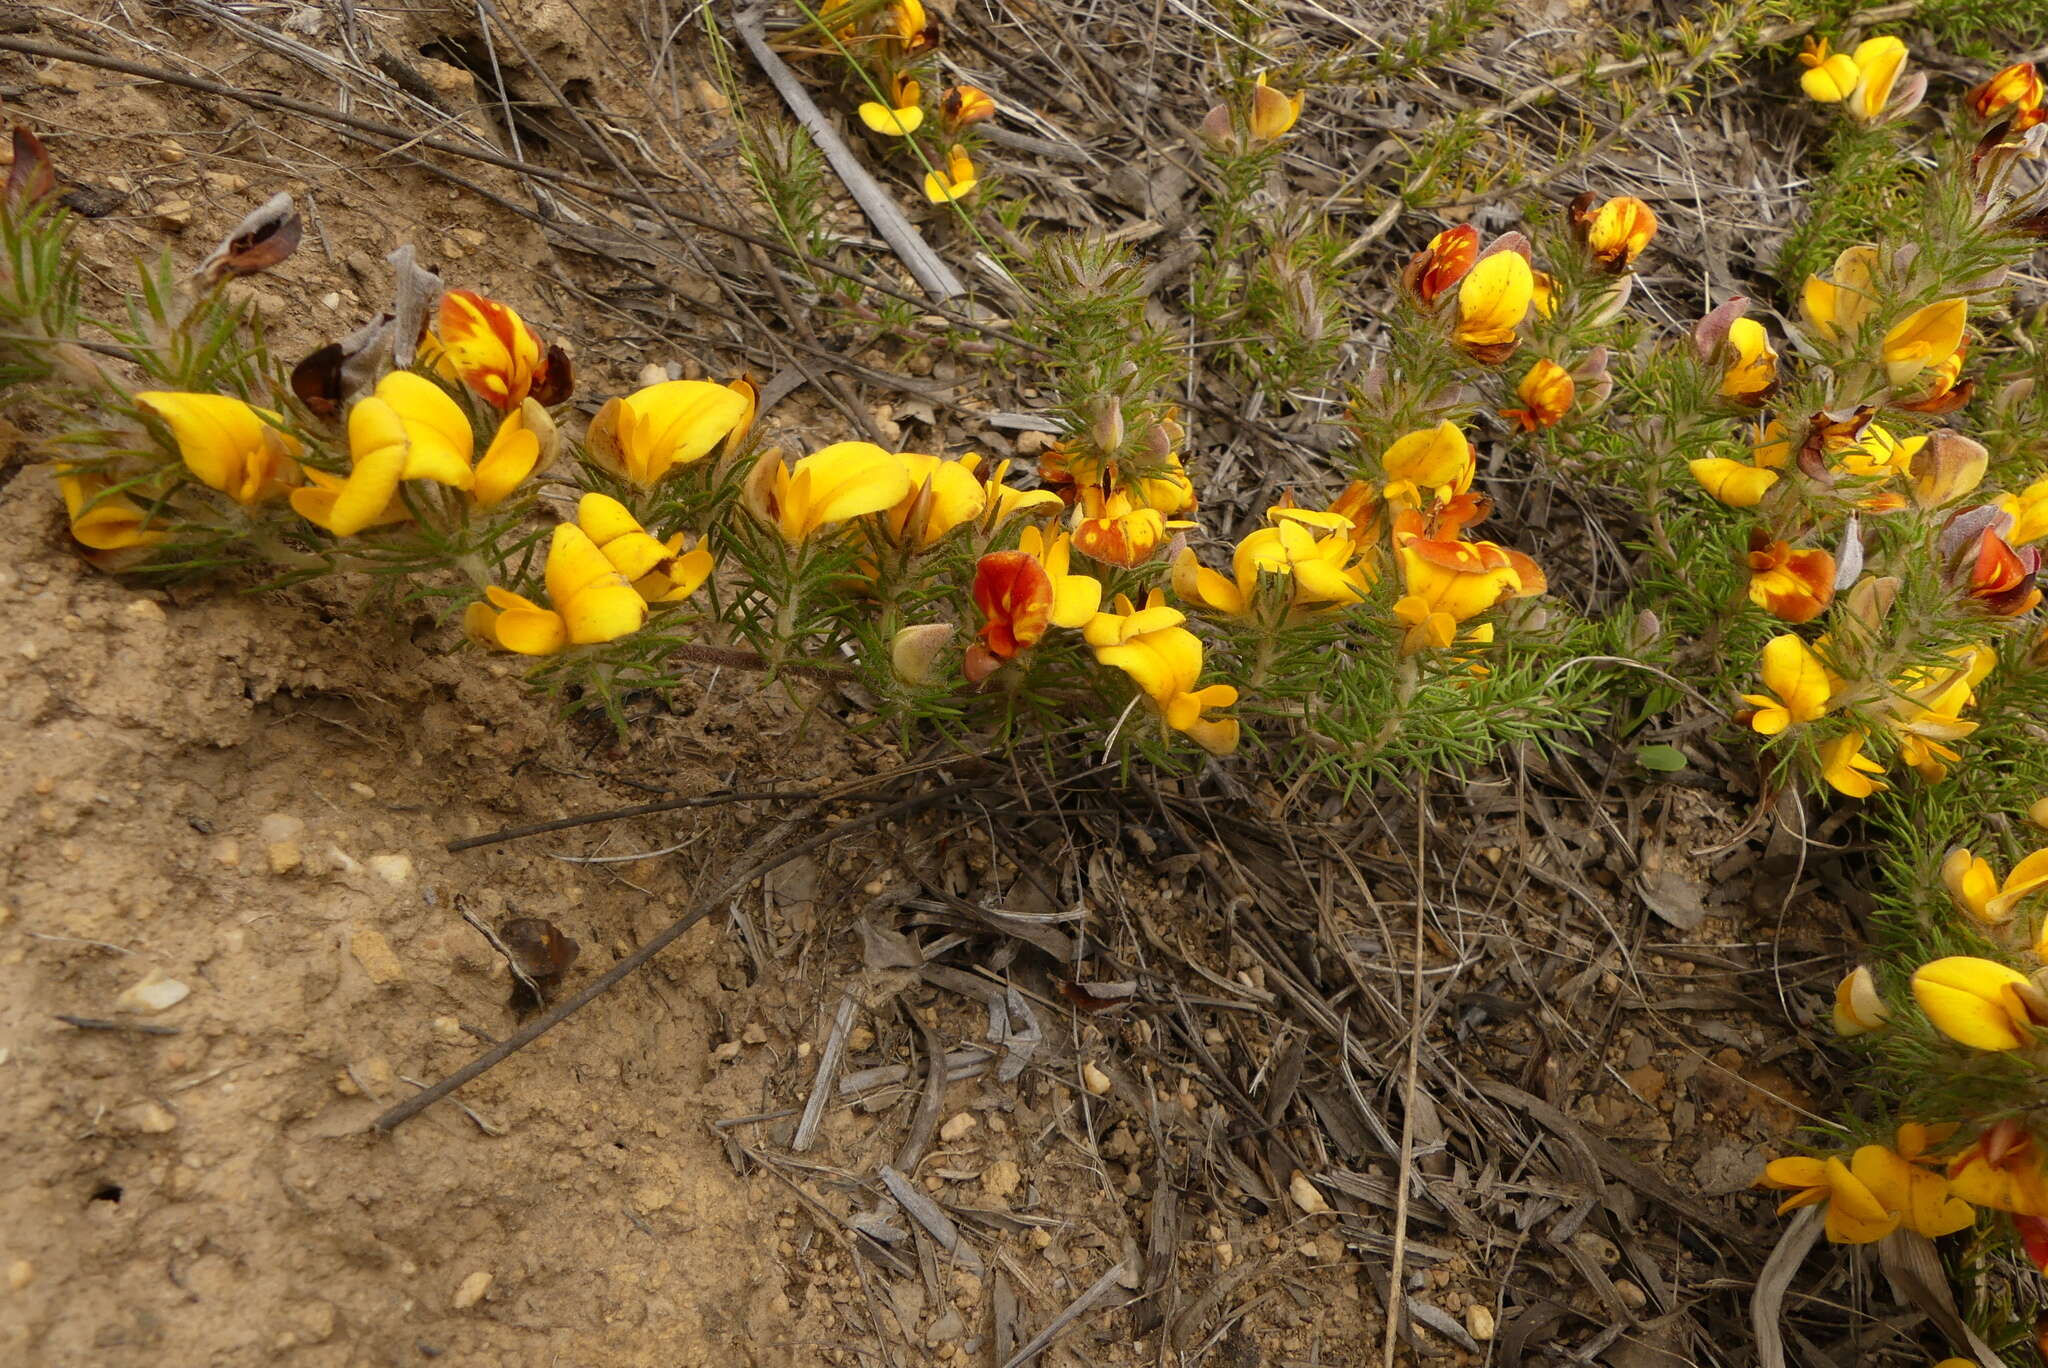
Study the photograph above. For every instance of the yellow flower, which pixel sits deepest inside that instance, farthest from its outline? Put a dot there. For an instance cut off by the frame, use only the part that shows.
(1859, 1009)
(1743, 484)
(902, 116)
(1927, 711)
(1119, 624)
(2038, 813)
(1076, 599)
(408, 429)
(642, 437)
(1001, 502)
(1829, 77)
(525, 441)
(592, 603)
(1800, 682)
(1436, 462)
(943, 495)
(228, 445)
(1974, 886)
(1546, 393)
(1978, 1002)
(2029, 511)
(1752, 365)
(1493, 299)
(1872, 1195)
(102, 517)
(1319, 571)
(1618, 231)
(1847, 769)
(955, 181)
(1878, 64)
(1273, 112)
(1837, 305)
(1166, 663)
(660, 572)
(1926, 337)
(842, 481)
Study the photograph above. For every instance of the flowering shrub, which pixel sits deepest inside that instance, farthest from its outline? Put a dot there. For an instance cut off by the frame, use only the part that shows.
(1823, 542)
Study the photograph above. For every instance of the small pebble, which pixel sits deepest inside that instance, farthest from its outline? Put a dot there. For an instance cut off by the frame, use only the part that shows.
(361, 789)
(155, 993)
(227, 852)
(1001, 1178)
(448, 1028)
(151, 1119)
(472, 1290)
(957, 1125)
(20, 1274)
(1479, 1322)
(754, 1034)
(331, 300)
(395, 870)
(281, 826)
(1305, 1194)
(374, 953)
(859, 1038)
(284, 856)
(1041, 1238)
(145, 610)
(1094, 1079)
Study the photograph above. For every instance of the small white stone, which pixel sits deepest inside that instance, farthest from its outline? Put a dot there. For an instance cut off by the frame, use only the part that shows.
(331, 300)
(1479, 1321)
(957, 1125)
(157, 992)
(1094, 1079)
(361, 789)
(448, 1028)
(281, 826)
(1305, 1194)
(472, 1290)
(395, 870)
(152, 1119)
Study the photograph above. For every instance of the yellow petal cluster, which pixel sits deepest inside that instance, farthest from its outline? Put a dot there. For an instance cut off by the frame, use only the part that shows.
(842, 481)
(1800, 686)
(643, 436)
(1979, 1002)
(1975, 888)
(591, 603)
(227, 444)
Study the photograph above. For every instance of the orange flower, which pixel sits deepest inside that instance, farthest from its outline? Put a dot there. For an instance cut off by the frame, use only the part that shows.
(1442, 264)
(1116, 531)
(1015, 596)
(2017, 88)
(489, 348)
(2002, 1170)
(1794, 586)
(1449, 581)
(1546, 393)
(2001, 578)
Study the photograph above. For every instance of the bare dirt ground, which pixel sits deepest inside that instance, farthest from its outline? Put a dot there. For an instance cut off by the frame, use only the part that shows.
(248, 794)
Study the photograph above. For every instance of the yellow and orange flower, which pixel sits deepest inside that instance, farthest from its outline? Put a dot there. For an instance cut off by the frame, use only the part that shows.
(2001, 579)
(1015, 596)
(1615, 233)
(1116, 530)
(1449, 581)
(830, 486)
(962, 105)
(491, 349)
(1546, 393)
(1793, 586)
(1428, 465)
(2017, 88)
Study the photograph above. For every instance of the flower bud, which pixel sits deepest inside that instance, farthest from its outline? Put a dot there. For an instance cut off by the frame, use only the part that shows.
(914, 652)
(2038, 813)
(1106, 430)
(1978, 1002)
(1859, 1009)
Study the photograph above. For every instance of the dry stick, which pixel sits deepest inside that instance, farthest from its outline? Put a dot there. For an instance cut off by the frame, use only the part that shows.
(757, 866)
(915, 253)
(348, 123)
(1396, 1302)
(1075, 1309)
(621, 814)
